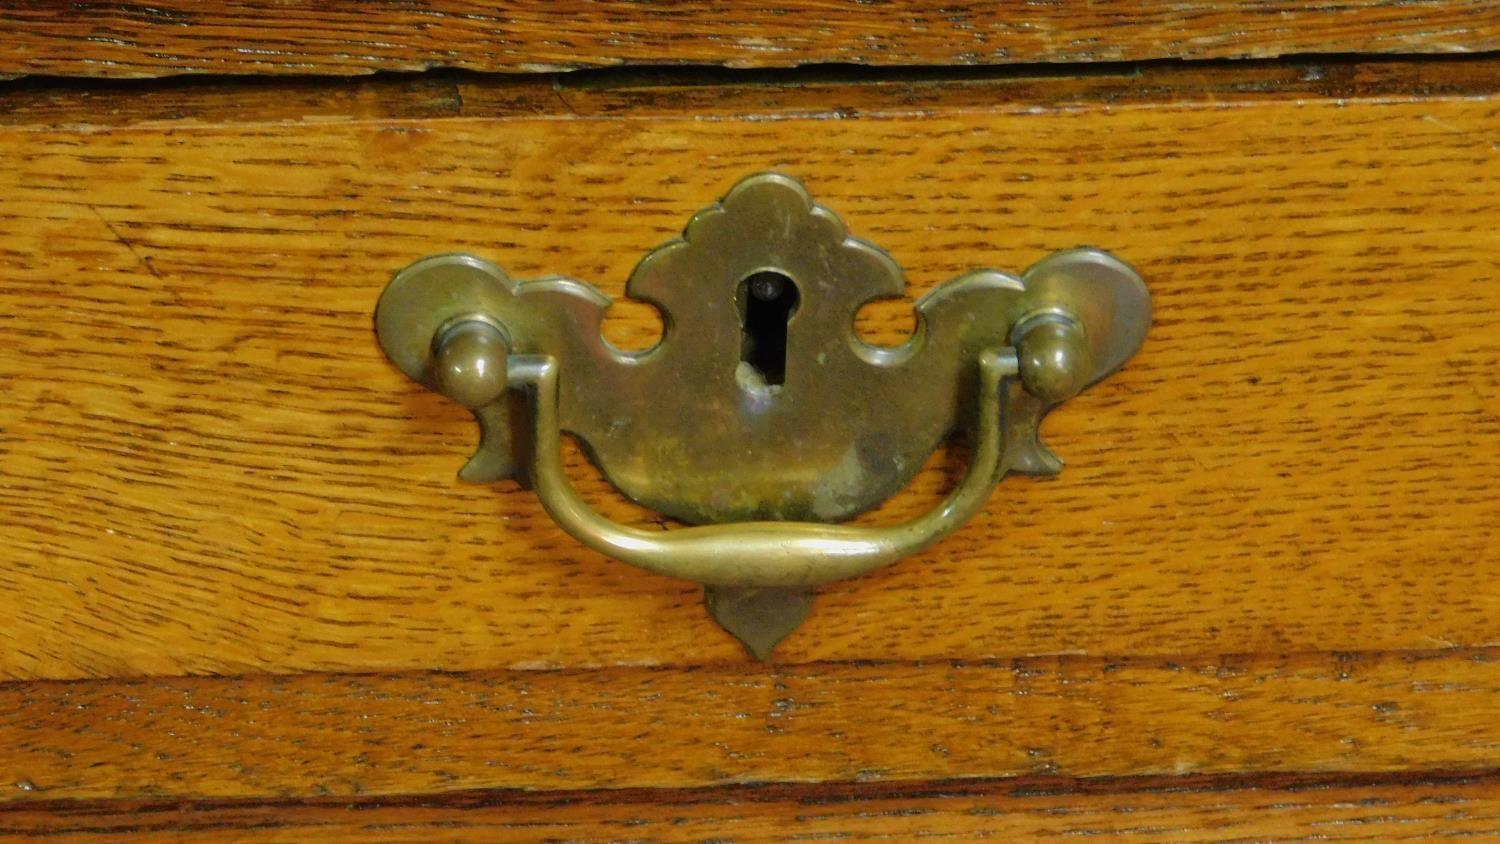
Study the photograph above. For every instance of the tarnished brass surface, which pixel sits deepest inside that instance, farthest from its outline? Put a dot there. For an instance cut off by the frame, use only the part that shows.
(761, 414)
(765, 553)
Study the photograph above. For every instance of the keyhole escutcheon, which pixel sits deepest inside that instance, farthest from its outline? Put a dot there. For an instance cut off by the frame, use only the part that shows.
(768, 299)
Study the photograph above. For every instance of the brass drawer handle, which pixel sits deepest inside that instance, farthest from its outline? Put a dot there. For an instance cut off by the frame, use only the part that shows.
(760, 415)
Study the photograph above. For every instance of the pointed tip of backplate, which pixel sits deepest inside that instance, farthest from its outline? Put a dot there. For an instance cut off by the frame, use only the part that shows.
(1030, 456)
(759, 618)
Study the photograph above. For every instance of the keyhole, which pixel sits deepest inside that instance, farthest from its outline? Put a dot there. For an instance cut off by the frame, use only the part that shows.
(767, 301)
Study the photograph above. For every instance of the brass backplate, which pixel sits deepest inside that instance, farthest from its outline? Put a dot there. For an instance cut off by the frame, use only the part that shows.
(692, 427)
(760, 403)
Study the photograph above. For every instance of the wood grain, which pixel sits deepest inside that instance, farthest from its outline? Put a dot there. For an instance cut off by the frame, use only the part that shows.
(163, 37)
(210, 467)
(1177, 809)
(304, 736)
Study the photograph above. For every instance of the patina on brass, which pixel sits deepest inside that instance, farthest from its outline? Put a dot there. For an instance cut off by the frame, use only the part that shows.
(761, 415)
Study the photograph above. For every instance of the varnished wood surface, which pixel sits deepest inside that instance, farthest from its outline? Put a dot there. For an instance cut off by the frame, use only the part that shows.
(164, 37)
(210, 468)
(307, 736)
(1176, 809)
(206, 467)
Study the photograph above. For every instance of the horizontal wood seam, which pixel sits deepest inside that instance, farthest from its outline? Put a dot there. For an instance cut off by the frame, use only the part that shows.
(696, 74)
(208, 100)
(1055, 662)
(807, 794)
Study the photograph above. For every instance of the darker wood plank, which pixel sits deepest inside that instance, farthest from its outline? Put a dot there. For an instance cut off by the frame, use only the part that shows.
(305, 736)
(816, 93)
(165, 37)
(1408, 807)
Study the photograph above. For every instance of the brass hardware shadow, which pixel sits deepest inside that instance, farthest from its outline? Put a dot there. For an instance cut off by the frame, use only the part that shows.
(760, 416)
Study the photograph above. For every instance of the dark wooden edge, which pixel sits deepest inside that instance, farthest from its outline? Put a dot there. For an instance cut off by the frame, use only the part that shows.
(643, 93)
(342, 37)
(807, 794)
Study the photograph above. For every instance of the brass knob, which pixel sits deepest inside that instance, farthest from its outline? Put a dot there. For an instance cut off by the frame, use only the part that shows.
(1054, 358)
(470, 363)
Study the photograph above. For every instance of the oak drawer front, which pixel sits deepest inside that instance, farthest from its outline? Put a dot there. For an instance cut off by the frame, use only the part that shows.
(347, 37)
(211, 468)
(1271, 550)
